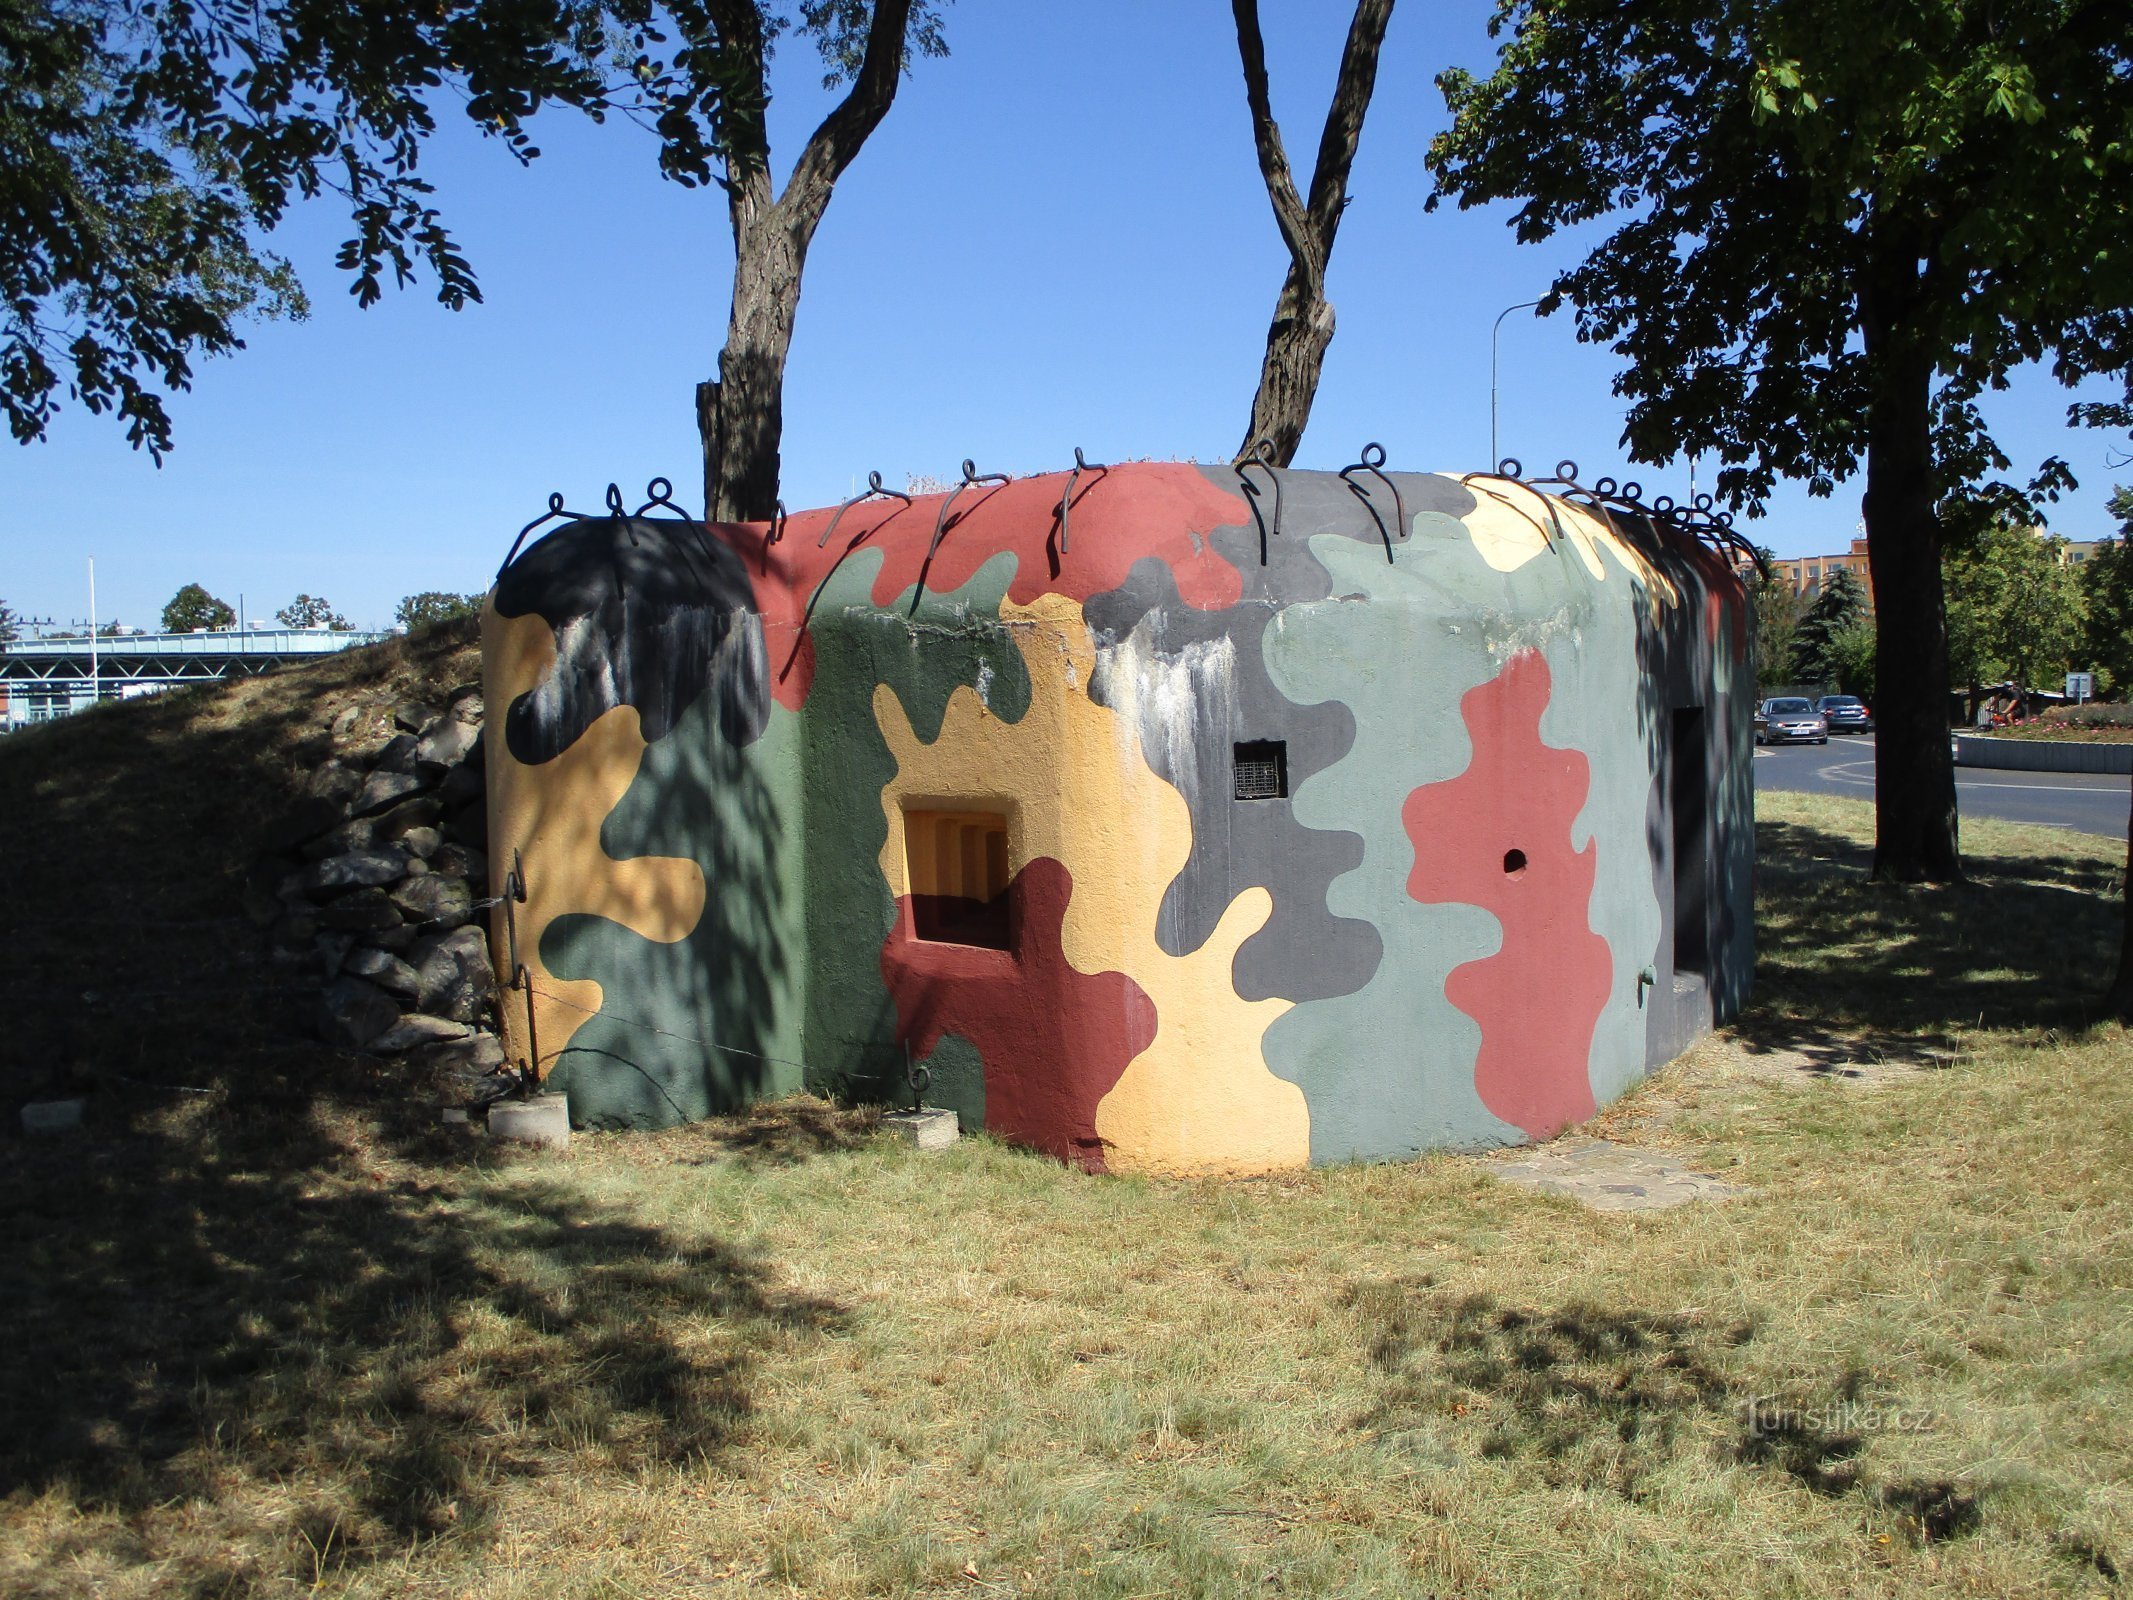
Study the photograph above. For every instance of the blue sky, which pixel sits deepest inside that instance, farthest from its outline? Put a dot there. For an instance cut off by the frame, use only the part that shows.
(1058, 237)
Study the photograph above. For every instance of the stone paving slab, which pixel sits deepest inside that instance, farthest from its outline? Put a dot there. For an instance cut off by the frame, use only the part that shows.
(1607, 1176)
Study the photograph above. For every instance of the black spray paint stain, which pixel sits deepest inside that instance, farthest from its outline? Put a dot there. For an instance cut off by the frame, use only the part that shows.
(646, 613)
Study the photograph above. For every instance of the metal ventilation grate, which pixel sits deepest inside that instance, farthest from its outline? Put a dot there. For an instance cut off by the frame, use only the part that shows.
(1262, 770)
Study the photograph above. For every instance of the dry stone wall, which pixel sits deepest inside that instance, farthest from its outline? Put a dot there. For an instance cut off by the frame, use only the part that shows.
(379, 873)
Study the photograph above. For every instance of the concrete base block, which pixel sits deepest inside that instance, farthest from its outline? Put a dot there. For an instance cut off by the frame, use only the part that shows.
(52, 1116)
(2041, 755)
(933, 1128)
(545, 1119)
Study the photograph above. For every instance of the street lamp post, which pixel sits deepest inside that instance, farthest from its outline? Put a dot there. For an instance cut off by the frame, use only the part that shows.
(1495, 329)
(96, 676)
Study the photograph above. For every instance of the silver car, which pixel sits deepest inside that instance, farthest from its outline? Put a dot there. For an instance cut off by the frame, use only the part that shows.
(1790, 719)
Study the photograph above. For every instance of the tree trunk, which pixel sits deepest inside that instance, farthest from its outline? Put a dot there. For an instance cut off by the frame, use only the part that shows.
(1288, 378)
(2120, 998)
(746, 424)
(740, 416)
(1914, 766)
(1303, 317)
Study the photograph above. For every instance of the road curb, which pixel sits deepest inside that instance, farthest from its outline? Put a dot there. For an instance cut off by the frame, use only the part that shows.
(2041, 755)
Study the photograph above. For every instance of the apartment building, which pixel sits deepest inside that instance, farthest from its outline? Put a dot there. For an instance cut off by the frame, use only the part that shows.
(1807, 574)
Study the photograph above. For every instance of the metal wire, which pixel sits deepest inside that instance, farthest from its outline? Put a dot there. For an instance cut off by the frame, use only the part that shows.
(807, 616)
(555, 509)
(661, 491)
(648, 1027)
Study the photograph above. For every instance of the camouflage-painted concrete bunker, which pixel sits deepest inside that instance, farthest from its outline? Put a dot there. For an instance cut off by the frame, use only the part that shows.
(1173, 819)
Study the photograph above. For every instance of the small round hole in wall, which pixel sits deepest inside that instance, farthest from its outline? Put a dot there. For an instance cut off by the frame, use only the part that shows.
(1514, 862)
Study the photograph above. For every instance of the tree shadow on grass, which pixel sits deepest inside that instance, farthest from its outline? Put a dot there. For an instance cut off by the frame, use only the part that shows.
(265, 1317)
(1852, 970)
(784, 1133)
(330, 1343)
(1591, 1397)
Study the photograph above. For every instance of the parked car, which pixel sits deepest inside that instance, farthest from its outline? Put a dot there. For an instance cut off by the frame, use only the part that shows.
(1845, 713)
(1790, 719)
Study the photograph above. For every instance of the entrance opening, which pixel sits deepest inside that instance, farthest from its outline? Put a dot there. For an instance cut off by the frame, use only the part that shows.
(1689, 799)
(957, 864)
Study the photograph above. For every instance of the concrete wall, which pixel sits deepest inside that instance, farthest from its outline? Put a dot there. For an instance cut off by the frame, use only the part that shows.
(1507, 871)
(2041, 755)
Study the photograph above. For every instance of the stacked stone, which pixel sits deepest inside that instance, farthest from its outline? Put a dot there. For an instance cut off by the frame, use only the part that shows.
(377, 875)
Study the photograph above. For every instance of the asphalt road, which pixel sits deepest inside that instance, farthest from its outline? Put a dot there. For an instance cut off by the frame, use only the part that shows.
(2084, 802)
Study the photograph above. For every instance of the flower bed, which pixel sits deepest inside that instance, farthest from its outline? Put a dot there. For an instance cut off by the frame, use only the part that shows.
(2088, 724)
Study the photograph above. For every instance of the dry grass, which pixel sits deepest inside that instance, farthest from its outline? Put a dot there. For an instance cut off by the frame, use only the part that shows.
(262, 1344)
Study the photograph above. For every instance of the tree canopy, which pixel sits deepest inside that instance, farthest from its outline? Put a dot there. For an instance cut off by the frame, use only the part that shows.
(1852, 656)
(435, 605)
(2014, 610)
(147, 147)
(120, 254)
(1763, 158)
(2107, 595)
(1778, 608)
(311, 611)
(192, 609)
(1834, 228)
(1839, 604)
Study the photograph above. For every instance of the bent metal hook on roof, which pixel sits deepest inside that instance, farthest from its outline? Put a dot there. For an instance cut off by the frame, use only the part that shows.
(1510, 470)
(1373, 462)
(1066, 500)
(807, 616)
(874, 487)
(1699, 518)
(942, 522)
(660, 490)
(1261, 455)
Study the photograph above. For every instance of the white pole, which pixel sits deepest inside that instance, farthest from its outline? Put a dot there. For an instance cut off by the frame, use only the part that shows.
(96, 685)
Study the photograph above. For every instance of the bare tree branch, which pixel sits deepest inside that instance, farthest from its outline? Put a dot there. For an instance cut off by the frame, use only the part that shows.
(741, 413)
(1302, 328)
(844, 130)
(1344, 118)
(1289, 213)
(747, 144)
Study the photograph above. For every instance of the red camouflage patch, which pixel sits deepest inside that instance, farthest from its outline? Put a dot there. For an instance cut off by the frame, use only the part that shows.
(1054, 1040)
(1498, 836)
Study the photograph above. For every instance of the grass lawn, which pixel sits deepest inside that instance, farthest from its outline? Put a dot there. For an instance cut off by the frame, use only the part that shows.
(288, 1335)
